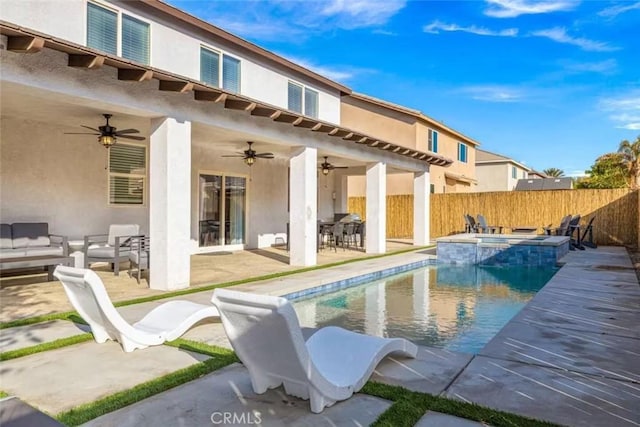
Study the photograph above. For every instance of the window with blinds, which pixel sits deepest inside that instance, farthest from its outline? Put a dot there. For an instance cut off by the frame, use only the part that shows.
(102, 29)
(135, 39)
(210, 67)
(462, 152)
(294, 97)
(127, 174)
(310, 102)
(230, 74)
(432, 141)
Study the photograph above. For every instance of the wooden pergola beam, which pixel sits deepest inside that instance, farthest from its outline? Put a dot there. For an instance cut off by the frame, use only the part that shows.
(85, 61)
(134, 75)
(25, 44)
(239, 104)
(265, 112)
(205, 95)
(175, 86)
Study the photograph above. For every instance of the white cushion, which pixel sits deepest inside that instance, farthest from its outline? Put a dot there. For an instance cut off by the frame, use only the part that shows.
(51, 250)
(122, 230)
(106, 252)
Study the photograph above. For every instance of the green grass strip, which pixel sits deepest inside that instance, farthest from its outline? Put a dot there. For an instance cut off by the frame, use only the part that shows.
(220, 357)
(72, 315)
(410, 406)
(63, 342)
(3, 394)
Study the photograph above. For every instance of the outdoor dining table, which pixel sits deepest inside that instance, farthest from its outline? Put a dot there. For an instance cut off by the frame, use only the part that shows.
(321, 227)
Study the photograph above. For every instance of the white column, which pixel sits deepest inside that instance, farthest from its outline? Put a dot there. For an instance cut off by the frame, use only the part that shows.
(342, 196)
(421, 194)
(376, 226)
(170, 203)
(303, 206)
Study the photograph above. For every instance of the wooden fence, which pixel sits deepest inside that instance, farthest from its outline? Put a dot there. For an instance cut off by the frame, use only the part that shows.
(616, 211)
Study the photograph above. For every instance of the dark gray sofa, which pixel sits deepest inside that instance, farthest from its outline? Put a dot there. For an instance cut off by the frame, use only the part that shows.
(22, 239)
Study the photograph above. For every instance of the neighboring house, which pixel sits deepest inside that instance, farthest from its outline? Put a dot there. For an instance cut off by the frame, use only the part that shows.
(544, 184)
(197, 94)
(412, 129)
(534, 174)
(498, 173)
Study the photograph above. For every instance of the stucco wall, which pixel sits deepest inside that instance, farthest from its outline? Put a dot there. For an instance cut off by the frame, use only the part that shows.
(493, 177)
(46, 176)
(173, 48)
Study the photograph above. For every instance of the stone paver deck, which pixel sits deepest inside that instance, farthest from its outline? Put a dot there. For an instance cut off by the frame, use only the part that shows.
(570, 356)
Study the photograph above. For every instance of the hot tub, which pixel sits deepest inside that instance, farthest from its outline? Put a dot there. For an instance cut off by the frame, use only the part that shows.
(501, 249)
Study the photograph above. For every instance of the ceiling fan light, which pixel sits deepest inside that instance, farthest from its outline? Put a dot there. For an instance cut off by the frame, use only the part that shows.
(325, 171)
(249, 160)
(107, 140)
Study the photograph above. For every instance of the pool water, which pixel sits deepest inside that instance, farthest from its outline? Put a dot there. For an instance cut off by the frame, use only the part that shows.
(459, 308)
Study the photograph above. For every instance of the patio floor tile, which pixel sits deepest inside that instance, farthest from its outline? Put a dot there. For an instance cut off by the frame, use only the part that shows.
(555, 395)
(228, 391)
(58, 380)
(27, 336)
(437, 419)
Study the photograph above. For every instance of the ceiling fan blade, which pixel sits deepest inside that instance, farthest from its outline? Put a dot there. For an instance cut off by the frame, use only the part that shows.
(265, 155)
(137, 138)
(127, 131)
(340, 167)
(81, 133)
(90, 128)
(232, 155)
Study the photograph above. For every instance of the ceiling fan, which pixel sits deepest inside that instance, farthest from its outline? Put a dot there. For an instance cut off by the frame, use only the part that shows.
(249, 155)
(107, 134)
(327, 167)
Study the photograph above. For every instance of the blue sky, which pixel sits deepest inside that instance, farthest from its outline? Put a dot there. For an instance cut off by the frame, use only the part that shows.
(551, 83)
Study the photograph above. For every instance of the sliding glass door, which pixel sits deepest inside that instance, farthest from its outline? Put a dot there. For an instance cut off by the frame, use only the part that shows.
(223, 201)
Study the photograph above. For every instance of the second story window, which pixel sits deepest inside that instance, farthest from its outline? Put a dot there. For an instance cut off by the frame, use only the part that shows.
(514, 172)
(212, 71)
(102, 33)
(462, 152)
(299, 96)
(432, 141)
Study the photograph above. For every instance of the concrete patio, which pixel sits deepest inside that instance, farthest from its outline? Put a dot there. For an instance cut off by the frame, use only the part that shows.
(570, 357)
(31, 295)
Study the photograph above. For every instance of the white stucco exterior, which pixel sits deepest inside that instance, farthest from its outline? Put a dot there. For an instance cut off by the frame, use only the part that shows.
(175, 51)
(498, 176)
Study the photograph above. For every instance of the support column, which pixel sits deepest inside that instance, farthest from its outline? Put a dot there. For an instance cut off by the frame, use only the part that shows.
(170, 203)
(421, 216)
(376, 226)
(303, 206)
(342, 193)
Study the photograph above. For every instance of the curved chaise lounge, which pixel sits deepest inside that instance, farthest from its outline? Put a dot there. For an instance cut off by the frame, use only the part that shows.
(330, 366)
(164, 323)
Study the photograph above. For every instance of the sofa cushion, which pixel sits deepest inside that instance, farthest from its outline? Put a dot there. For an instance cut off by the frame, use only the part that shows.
(141, 258)
(27, 234)
(44, 250)
(122, 230)
(6, 239)
(12, 253)
(107, 252)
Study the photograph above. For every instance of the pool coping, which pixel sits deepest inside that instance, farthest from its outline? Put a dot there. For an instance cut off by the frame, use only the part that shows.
(512, 239)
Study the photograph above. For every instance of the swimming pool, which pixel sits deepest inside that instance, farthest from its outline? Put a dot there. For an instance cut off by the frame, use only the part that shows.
(458, 308)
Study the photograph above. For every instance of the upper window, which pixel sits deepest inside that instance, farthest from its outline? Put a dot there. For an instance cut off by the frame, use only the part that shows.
(432, 141)
(462, 152)
(212, 71)
(514, 172)
(127, 174)
(102, 33)
(299, 96)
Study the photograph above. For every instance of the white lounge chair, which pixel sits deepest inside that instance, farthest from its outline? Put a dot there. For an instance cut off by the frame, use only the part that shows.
(331, 365)
(164, 323)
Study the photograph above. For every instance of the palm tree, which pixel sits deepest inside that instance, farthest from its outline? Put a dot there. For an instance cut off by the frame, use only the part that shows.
(553, 172)
(631, 158)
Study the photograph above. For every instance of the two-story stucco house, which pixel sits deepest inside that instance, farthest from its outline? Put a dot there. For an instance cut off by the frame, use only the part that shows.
(412, 129)
(196, 94)
(498, 173)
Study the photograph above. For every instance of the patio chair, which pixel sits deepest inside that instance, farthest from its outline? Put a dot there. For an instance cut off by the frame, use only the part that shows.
(471, 223)
(483, 227)
(330, 366)
(139, 255)
(113, 247)
(574, 227)
(562, 229)
(166, 322)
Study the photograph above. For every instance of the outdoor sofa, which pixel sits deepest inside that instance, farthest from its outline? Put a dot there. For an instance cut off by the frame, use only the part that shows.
(29, 239)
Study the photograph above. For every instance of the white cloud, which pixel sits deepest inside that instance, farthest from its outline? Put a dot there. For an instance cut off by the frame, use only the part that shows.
(437, 26)
(494, 93)
(624, 110)
(575, 173)
(384, 32)
(339, 73)
(613, 11)
(359, 13)
(514, 8)
(559, 34)
(608, 66)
